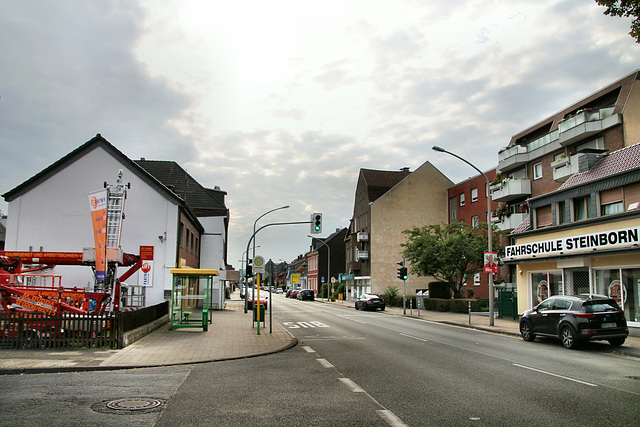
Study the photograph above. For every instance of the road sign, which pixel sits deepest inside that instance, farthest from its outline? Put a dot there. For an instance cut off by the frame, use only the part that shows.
(258, 264)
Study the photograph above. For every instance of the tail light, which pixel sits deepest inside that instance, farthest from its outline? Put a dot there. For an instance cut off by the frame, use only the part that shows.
(585, 315)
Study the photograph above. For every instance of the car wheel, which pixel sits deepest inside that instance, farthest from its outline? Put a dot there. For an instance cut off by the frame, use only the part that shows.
(356, 306)
(382, 309)
(526, 332)
(617, 342)
(568, 337)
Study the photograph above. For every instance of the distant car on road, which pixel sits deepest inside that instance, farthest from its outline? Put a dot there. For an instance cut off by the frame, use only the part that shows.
(306, 295)
(294, 293)
(279, 290)
(251, 300)
(576, 319)
(370, 302)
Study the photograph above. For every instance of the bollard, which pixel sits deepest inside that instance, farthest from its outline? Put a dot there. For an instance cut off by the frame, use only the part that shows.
(469, 312)
(411, 306)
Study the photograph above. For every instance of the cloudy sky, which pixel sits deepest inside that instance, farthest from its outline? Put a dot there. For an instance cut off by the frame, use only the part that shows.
(281, 102)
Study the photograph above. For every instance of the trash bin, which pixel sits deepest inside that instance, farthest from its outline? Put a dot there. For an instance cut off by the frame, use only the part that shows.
(420, 300)
(255, 312)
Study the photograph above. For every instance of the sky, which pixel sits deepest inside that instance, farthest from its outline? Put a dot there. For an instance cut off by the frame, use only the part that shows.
(281, 102)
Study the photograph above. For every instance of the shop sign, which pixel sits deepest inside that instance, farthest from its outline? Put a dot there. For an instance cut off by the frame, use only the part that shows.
(585, 242)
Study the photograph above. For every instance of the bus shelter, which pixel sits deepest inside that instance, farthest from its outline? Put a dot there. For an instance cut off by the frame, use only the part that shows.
(191, 297)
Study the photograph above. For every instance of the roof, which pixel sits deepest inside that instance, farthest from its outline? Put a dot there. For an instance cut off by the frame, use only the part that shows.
(619, 161)
(379, 182)
(616, 94)
(174, 177)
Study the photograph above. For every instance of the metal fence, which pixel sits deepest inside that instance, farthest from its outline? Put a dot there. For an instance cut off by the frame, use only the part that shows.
(40, 330)
(19, 330)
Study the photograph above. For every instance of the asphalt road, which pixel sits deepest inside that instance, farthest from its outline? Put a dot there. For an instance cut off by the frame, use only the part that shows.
(351, 368)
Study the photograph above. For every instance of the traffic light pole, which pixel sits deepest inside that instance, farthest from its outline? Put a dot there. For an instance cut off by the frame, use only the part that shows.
(404, 282)
(254, 235)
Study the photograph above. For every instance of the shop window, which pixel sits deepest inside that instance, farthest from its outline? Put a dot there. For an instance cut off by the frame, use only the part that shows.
(474, 194)
(544, 285)
(623, 285)
(581, 208)
(537, 171)
(461, 199)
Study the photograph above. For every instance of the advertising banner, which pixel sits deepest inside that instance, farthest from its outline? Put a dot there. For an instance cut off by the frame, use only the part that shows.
(490, 262)
(98, 206)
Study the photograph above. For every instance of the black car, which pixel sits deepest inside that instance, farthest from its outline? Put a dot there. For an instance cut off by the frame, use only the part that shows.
(576, 319)
(369, 302)
(306, 295)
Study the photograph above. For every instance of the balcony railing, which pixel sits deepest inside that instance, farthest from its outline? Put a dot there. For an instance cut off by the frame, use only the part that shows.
(585, 116)
(510, 222)
(564, 168)
(511, 189)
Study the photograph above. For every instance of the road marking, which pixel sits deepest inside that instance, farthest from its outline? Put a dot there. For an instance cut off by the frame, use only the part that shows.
(325, 363)
(391, 418)
(555, 375)
(415, 338)
(351, 385)
(308, 349)
(304, 325)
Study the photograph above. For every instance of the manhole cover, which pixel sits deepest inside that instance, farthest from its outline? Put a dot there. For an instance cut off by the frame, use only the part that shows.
(130, 405)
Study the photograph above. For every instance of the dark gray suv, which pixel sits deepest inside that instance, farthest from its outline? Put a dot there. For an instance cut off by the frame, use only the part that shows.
(576, 319)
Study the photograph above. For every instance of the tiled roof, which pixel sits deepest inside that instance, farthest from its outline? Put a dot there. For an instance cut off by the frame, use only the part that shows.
(379, 182)
(623, 160)
(172, 176)
(522, 227)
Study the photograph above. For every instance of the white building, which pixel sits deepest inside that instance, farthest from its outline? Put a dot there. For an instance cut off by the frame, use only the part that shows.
(166, 209)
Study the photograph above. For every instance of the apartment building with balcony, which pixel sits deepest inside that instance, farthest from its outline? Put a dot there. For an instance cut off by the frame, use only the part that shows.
(467, 202)
(417, 199)
(578, 174)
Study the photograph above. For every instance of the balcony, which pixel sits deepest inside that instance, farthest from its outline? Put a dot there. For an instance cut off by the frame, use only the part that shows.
(512, 158)
(564, 168)
(510, 222)
(510, 190)
(586, 124)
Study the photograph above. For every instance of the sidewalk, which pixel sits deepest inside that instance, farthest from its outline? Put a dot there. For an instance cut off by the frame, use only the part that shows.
(231, 336)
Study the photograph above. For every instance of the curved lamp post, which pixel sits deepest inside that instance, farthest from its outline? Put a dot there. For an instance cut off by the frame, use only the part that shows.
(489, 226)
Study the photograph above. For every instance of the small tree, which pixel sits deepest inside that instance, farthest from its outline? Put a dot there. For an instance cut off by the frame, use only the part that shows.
(450, 253)
(390, 295)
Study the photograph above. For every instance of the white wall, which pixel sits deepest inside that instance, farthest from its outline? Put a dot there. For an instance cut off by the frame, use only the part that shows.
(212, 245)
(55, 216)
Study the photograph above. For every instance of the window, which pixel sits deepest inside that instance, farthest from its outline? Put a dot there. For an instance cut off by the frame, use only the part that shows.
(461, 199)
(537, 171)
(474, 221)
(560, 214)
(613, 208)
(543, 216)
(474, 194)
(581, 208)
(453, 209)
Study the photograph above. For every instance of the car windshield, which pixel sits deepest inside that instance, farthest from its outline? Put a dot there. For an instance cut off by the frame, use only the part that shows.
(600, 306)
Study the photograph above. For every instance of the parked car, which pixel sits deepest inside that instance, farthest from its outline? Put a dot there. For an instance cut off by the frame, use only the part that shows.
(279, 290)
(576, 319)
(251, 299)
(294, 293)
(306, 295)
(369, 302)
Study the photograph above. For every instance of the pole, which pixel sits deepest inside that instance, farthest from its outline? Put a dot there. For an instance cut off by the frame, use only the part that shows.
(404, 292)
(489, 226)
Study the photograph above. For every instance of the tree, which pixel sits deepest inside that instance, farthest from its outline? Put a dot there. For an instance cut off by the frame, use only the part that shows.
(624, 8)
(450, 253)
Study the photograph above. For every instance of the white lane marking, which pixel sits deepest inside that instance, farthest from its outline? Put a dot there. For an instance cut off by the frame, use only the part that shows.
(351, 319)
(325, 363)
(391, 418)
(415, 338)
(555, 375)
(308, 349)
(351, 385)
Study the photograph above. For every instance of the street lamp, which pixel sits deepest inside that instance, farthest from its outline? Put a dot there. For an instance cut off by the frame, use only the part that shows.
(328, 264)
(489, 227)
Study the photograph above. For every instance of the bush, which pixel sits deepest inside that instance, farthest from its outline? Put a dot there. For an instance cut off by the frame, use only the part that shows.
(439, 290)
(455, 305)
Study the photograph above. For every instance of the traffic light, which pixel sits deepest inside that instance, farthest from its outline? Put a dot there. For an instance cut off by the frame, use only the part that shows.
(249, 272)
(402, 271)
(316, 223)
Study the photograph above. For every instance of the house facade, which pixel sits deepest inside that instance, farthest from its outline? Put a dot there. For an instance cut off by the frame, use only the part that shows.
(578, 173)
(50, 212)
(467, 202)
(325, 260)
